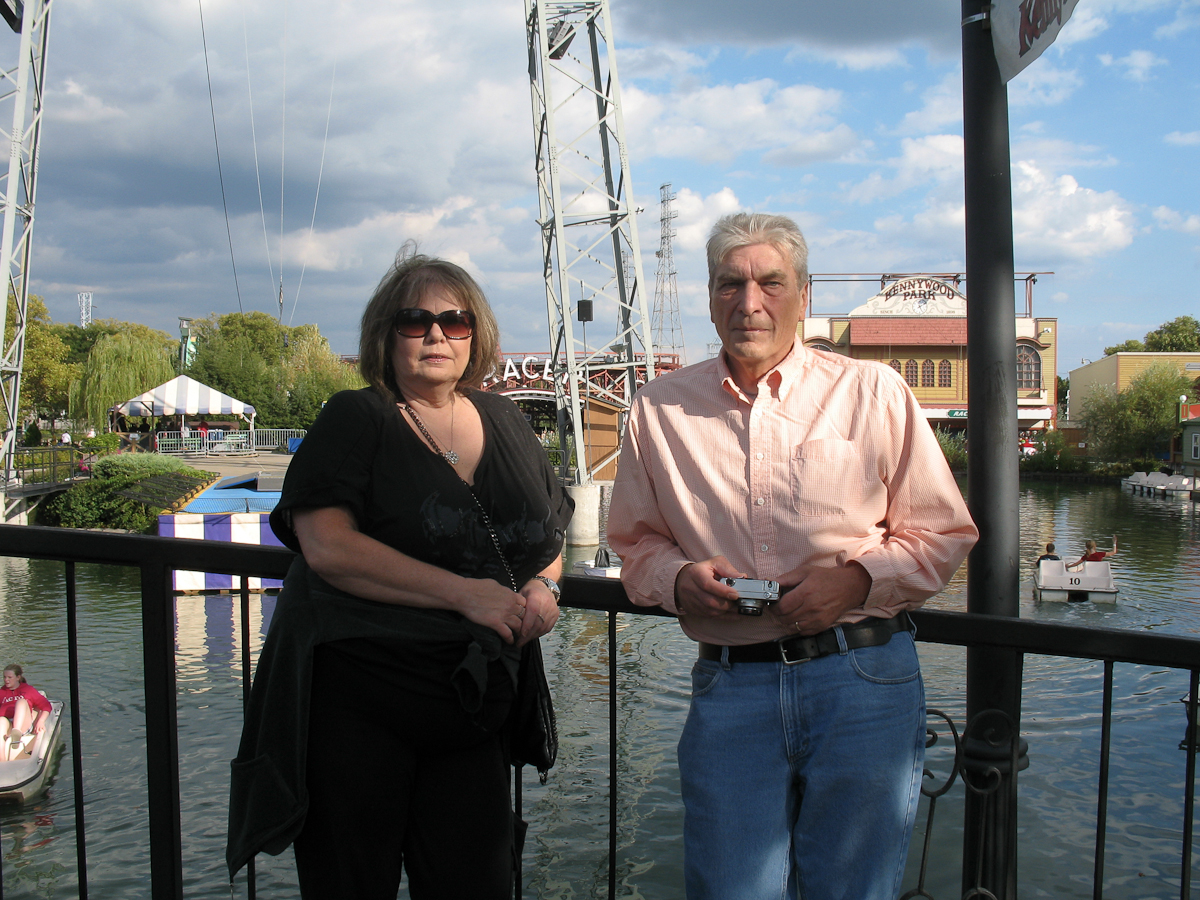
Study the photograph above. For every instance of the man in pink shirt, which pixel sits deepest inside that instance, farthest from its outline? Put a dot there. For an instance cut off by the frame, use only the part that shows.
(800, 762)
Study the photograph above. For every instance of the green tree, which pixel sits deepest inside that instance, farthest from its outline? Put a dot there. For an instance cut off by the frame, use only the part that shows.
(1130, 346)
(314, 373)
(1181, 335)
(1139, 421)
(47, 373)
(119, 367)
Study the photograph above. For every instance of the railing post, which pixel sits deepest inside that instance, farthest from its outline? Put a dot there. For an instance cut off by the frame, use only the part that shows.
(162, 738)
(993, 675)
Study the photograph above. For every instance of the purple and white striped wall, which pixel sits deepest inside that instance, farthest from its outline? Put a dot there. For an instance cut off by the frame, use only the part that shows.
(237, 528)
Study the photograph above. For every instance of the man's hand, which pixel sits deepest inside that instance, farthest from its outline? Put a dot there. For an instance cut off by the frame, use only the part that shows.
(820, 597)
(699, 590)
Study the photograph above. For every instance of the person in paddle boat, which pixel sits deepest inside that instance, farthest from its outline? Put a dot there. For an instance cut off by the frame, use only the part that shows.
(1049, 554)
(23, 712)
(431, 527)
(1091, 554)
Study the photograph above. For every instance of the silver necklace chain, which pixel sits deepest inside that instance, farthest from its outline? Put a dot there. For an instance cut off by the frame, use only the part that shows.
(449, 455)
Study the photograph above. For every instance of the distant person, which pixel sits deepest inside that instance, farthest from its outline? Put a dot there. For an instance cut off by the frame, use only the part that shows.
(1091, 554)
(66, 439)
(203, 427)
(23, 710)
(1049, 554)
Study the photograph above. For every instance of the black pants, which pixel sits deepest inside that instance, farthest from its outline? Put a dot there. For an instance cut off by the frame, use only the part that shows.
(403, 779)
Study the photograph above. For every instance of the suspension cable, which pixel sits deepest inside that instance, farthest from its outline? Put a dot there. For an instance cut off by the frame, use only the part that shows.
(217, 144)
(262, 210)
(316, 197)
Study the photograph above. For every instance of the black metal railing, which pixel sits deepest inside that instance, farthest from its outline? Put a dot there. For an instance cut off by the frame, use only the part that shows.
(39, 467)
(157, 558)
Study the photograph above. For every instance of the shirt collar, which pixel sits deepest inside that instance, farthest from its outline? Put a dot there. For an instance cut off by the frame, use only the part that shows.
(778, 380)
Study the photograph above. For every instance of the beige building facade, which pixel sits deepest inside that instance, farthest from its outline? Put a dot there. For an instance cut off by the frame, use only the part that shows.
(1118, 370)
(918, 325)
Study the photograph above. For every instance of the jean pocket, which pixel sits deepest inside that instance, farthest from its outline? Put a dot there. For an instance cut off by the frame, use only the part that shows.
(892, 663)
(827, 477)
(705, 674)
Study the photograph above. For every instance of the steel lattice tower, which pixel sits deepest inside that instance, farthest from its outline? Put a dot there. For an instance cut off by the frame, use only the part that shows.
(22, 86)
(668, 329)
(588, 225)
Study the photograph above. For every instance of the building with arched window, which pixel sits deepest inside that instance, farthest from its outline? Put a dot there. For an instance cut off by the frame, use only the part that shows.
(918, 325)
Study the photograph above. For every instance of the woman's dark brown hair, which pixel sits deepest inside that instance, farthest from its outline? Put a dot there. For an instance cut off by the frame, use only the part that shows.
(402, 288)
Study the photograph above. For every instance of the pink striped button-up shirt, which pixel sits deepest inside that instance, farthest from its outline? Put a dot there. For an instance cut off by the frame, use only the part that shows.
(831, 461)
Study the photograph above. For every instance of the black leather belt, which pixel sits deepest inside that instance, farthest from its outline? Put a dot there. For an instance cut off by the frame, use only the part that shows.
(802, 648)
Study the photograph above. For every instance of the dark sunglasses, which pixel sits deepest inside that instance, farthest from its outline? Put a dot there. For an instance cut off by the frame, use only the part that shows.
(456, 324)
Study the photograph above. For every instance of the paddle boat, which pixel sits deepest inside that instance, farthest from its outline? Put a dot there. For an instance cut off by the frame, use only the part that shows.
(606, 565)
(28, 776)
(1159, 485)
(1093, 581)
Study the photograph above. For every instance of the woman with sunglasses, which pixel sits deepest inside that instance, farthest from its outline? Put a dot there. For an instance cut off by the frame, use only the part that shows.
(430, 527)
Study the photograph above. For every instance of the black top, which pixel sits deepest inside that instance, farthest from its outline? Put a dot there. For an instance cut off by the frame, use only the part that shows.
(362, 454)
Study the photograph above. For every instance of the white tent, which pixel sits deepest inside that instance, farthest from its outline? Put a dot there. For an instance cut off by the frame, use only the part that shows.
(184, 396)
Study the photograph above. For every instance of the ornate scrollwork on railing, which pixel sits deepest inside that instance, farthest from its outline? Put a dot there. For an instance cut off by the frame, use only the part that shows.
(985, 756)
(933, 793)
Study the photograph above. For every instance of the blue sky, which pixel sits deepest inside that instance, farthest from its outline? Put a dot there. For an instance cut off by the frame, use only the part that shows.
(846, 116)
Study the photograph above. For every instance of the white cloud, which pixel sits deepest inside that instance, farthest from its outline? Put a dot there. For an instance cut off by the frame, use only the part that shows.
(1138, 65)
(1042, 84)
(717, 124)
(697, 215)
(1085, 23)
(1175, 221)
(1187, 17)
(943, 107)
(1056, 217)
(935, 158)
(73, 103)
(1183, 139)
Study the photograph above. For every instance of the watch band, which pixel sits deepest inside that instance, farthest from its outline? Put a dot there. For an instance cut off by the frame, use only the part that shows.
(551, 584)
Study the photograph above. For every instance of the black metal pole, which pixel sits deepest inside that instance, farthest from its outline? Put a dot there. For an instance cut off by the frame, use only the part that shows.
(993, 676)
(162, 733)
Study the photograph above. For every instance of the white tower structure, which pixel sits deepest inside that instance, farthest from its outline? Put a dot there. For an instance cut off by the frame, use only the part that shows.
(667, 329)
(22, 87)
(85, 308)
(588, 225)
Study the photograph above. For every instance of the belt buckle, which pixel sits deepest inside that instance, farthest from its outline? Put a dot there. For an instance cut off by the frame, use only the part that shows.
(803, 645)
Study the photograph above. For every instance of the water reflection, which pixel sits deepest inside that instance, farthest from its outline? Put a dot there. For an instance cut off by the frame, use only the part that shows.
(1158, 570)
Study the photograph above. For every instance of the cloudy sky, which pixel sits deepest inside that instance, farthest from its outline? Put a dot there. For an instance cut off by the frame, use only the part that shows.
(846, 116)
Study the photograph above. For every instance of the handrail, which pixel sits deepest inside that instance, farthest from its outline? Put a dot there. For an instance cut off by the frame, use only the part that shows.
(156, 557)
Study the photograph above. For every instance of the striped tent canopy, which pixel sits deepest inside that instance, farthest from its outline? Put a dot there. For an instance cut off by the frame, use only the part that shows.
(185, 396)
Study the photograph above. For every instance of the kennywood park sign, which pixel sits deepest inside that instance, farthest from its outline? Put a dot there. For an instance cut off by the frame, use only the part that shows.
(916, 296)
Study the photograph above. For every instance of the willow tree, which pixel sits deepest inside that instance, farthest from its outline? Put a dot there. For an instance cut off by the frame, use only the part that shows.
(118, 368)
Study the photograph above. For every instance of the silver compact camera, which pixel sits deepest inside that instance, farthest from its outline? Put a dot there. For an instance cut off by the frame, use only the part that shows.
(753, 594)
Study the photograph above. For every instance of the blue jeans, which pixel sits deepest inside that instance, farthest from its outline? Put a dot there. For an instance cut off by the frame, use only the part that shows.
(803, 780)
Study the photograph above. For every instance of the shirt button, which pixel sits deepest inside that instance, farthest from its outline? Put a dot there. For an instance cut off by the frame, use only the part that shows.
(758, 456)
(760, 501)
(765, 548)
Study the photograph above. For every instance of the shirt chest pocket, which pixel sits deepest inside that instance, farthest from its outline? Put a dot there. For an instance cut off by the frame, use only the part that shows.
(827, 477)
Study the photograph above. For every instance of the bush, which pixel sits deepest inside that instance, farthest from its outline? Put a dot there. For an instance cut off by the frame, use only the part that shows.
(954, 446)
(101, 444)
(33, 435)
(1052, 455)
(96, 503)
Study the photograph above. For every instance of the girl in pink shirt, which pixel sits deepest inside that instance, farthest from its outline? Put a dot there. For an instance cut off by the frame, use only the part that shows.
(21, 706)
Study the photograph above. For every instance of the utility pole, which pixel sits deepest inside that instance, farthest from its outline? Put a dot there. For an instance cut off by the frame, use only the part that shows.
(667, 330)
(23, 86)
(588, 224)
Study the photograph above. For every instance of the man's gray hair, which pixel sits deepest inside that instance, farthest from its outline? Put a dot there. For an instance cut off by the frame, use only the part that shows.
(744, 229)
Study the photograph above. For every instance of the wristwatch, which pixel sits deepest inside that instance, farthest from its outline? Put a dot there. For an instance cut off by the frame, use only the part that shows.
(551, 584)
